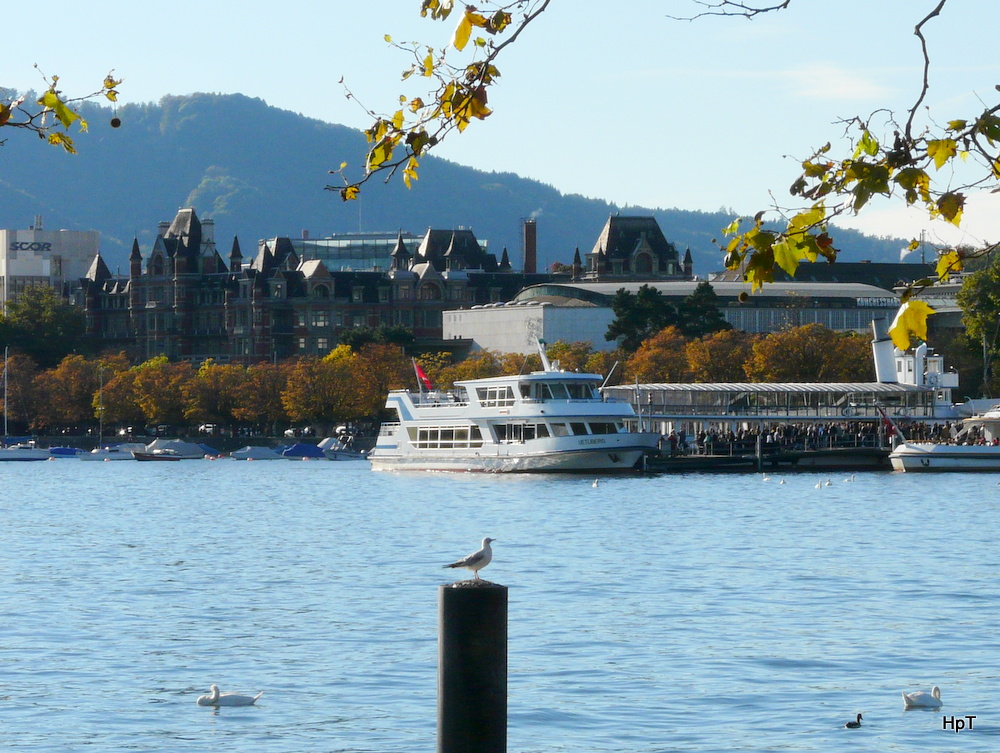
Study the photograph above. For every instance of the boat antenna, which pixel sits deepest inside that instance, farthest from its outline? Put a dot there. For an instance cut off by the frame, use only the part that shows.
(605, 382)
(546, 366)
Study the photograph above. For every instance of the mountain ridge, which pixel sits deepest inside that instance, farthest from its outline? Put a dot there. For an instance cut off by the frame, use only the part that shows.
(260, 171)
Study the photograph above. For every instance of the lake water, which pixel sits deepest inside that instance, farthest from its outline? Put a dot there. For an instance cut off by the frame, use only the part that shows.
(669, 613)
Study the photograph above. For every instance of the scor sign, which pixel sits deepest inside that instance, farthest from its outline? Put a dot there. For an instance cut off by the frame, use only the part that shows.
(32, 246)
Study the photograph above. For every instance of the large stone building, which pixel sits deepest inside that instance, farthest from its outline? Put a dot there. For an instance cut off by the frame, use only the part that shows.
(634, 248)
(55, 258)
(183, 299)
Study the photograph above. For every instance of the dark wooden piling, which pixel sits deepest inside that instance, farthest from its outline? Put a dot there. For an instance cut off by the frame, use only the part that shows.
(472, 668)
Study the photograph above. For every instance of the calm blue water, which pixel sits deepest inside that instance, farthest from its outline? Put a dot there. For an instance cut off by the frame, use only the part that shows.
(672, 613)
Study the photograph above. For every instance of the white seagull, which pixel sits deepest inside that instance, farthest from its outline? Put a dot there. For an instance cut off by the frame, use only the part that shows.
(922, 699)
(215, 698)
(477, 560)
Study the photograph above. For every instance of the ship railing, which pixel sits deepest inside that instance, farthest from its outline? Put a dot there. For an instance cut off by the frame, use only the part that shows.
(388, 429)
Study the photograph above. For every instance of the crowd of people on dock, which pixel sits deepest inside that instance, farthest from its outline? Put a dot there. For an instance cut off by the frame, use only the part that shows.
(773, 438)
(784, 437)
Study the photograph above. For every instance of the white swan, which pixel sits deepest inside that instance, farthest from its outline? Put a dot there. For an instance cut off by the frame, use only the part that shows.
(923, 700)
(215, 698)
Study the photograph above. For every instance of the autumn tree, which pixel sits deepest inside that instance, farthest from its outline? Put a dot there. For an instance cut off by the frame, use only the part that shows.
(519, 363)
(65, 394)
(572, 356)
(213, 394)
(259, 401)
(21, 404)
(321, 391)
(120, 398)
(484, 363)
(720, 357)
(378, 369)
(661, 358)
(799, 354)
(160, 388)
(851, 358)
(607, 363)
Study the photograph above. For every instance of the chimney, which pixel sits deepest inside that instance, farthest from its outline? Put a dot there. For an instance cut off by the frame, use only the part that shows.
(305, 235)
(530, 228)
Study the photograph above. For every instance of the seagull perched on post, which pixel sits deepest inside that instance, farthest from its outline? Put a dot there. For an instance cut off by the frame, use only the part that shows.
(477, 560)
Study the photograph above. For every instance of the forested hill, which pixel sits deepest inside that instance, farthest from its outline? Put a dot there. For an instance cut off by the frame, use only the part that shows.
(259, 172)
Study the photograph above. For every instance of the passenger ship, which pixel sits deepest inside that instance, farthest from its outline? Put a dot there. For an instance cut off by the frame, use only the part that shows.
(545, 421)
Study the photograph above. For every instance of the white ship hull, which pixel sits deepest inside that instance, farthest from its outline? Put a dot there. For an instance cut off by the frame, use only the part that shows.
(614, 457)
(918, 457)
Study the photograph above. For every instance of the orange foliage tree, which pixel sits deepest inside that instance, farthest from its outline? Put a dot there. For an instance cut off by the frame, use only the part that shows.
(720, 357)
(661, 358)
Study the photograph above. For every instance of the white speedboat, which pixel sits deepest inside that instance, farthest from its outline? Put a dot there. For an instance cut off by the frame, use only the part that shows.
(980, 454)
(341, 448)
(121, 451)
(255, 453)
(549, 420)
(24, 451)
(169, 449)
(928, 456)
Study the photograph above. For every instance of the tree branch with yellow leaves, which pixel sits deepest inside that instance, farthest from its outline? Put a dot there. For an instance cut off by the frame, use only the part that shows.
(459, 95)
(52, 115)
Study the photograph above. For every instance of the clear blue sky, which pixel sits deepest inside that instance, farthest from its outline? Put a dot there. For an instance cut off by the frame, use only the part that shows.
(609, 100)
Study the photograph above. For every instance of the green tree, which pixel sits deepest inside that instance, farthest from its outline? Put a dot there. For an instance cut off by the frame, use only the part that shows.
(43, 325)
(979, 299)
(700, 313)
(639, 316)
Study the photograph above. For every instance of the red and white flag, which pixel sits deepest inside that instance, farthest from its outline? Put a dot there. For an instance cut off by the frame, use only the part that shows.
(421, 376)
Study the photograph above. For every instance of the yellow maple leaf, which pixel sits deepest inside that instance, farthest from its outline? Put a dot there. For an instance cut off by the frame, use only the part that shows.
(462, 32)
(947, 263)
(911, 319)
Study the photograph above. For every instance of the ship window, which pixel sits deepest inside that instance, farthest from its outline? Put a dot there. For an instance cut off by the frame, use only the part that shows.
(556, 391)
(495, 397)
(519, 433)
(445, 437)
(560, 430)
(579, 428)
(581, 391)
(603, 428)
